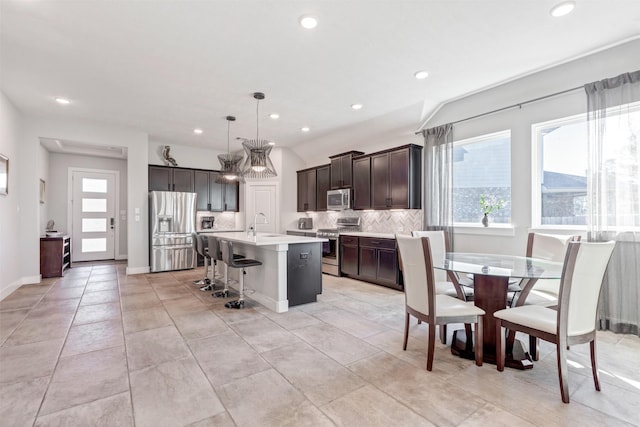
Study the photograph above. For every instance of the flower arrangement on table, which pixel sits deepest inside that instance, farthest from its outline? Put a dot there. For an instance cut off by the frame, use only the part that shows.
(490, 204)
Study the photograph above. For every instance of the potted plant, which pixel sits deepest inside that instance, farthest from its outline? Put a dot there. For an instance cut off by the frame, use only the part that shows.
(490, 204)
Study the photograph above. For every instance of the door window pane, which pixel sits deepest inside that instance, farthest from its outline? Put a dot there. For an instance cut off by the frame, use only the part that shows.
(93, 225)
(91, 185)
(94, 205)
(94, 245)
(482, 167)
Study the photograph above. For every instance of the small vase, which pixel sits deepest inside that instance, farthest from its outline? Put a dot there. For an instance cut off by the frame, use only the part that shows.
(485, 220)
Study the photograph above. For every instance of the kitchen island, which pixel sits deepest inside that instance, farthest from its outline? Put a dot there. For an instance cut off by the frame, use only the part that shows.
(291, 271)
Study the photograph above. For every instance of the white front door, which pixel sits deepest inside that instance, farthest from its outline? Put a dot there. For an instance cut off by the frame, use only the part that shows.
(262, 198)
(93, 215)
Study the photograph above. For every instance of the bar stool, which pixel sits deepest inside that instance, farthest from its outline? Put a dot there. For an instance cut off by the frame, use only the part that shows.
(242, 264)
(201, 249)
(216, 255)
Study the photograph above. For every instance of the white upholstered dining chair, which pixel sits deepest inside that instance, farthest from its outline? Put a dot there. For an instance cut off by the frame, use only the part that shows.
(550, 247)
(575, 319)
(422, 301)
(439, 243)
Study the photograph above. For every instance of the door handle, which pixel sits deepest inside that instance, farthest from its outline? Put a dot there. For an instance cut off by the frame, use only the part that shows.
(112, 222)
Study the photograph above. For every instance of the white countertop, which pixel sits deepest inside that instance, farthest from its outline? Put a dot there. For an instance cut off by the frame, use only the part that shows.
(369, 234)
(210, 231)
(266, 239)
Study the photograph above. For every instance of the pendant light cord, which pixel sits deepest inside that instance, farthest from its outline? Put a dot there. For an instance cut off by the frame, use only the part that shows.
(228, 133)
(257, 120)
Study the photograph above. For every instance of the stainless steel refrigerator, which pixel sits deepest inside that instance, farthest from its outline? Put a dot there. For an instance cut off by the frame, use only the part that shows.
(172, 219)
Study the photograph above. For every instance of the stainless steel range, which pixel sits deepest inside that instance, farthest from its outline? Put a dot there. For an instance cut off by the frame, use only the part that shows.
(331, 249)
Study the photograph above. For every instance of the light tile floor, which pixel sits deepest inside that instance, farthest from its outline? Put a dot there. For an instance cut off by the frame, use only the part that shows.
(101, 348)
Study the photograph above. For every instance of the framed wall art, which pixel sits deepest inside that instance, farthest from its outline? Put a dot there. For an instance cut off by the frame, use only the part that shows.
(4, 175)
(42, 191)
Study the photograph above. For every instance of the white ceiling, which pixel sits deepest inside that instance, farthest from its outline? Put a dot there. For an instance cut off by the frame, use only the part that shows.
(166, 67)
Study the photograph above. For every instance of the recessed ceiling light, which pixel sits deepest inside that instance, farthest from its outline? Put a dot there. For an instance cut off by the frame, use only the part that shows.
(421, 75)
(274, 116)
(63, 101)
(197, 131)
(562, 9)
(271, 143)
(308, 22)
(356, 106)
(305, 129)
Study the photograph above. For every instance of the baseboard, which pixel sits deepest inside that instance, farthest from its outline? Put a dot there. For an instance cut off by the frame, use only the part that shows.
(9, 288)
(270, 303)
(137, 270)
(31, 280)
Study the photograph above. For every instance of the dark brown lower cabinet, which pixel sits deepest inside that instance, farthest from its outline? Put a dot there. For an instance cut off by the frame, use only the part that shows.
(370, 259)
(349, 255)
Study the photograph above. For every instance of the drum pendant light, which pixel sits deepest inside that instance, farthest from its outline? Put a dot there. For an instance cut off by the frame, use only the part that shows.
(230, 163)
(258, 164)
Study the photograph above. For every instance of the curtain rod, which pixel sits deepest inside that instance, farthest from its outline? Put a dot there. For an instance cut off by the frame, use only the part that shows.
(519, 105)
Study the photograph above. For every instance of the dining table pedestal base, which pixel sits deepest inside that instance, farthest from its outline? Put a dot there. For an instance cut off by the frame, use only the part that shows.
(517, 359)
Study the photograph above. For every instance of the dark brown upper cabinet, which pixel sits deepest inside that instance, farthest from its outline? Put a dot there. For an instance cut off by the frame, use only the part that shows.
(396, 178)
(362, 182)
(215, 196)
(307, 190)
(164, 178)
(341, 169)
(323, 184)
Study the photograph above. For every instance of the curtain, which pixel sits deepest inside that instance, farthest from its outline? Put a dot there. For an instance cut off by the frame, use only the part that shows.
(613, 121)
(438, 176)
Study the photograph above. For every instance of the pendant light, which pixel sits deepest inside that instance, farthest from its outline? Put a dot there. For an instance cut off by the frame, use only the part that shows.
(258, 164)
(230, 163)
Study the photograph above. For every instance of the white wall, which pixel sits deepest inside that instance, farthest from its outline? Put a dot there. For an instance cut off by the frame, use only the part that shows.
(11, 275)
(57, 191)
(608, 63)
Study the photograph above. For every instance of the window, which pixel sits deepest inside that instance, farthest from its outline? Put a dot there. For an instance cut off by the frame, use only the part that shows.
(482, 166)
(560, 169)
(560, 193)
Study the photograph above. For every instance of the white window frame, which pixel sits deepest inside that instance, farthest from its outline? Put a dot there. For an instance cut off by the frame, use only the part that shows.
(494, 228)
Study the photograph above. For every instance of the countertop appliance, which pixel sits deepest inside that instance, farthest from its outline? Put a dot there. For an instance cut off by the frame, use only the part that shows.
(305, 223)
(339, 200)
(331, 249)
(206, 222)
(172, 219)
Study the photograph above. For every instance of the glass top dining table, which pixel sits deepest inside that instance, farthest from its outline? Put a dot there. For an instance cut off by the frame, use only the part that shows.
(500, 265)
(491, 273)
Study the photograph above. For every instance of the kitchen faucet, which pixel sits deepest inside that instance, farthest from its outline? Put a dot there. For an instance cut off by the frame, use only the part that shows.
(252, 229)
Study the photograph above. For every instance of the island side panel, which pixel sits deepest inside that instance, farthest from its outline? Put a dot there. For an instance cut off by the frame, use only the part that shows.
(304, 273)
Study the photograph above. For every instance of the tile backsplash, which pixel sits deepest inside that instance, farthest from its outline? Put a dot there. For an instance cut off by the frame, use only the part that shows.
(400, 221)
(223, 220)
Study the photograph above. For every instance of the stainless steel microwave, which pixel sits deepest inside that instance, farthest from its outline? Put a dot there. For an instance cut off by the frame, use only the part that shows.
(339, 200)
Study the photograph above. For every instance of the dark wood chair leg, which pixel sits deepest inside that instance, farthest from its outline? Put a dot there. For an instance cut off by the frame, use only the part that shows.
(469, 343)
(406, 332)
(431, 346)
(479, 344)
(533, 348)
(594, 364)
(443, 334)
(511, 338)
(563, 372)
(500, 346)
